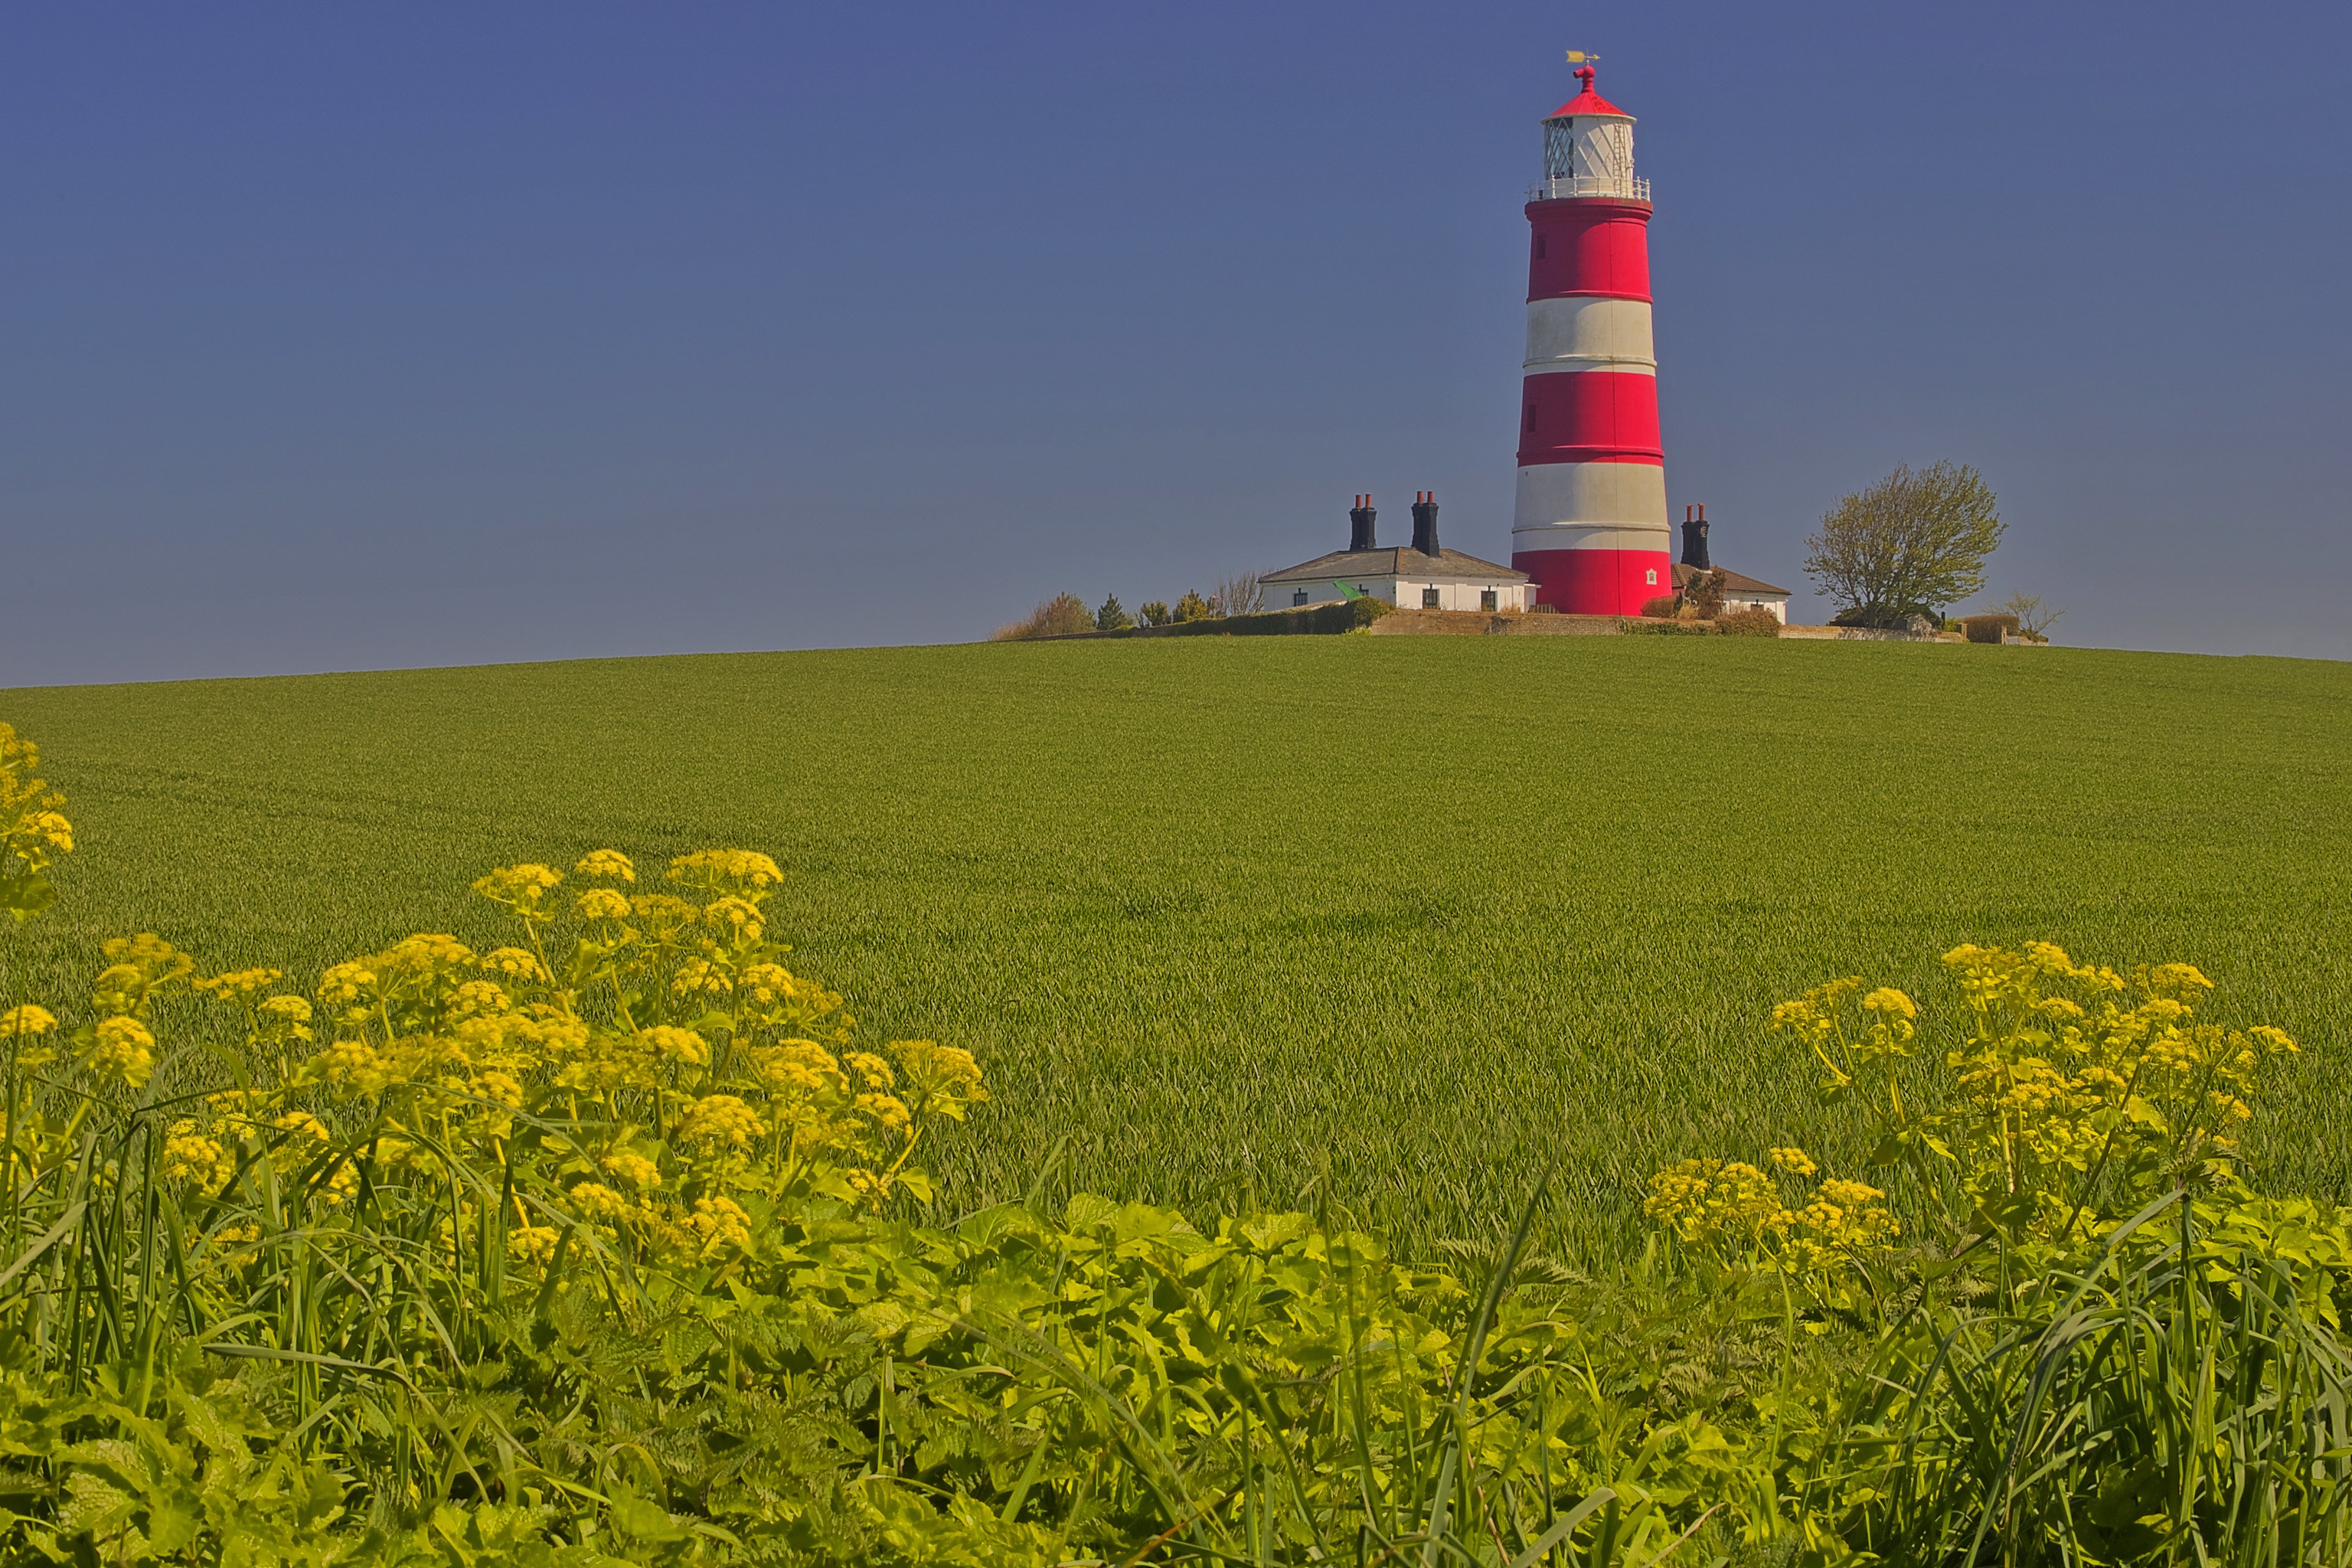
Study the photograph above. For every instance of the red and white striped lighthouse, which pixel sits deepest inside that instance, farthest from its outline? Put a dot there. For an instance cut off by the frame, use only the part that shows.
(1591, 526)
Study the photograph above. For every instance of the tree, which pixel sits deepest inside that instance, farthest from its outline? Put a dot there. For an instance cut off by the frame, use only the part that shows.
(1909, 544)
(1703, 599)
(1155, 614)
(1239, 596)
(2033, 617)
(1112, 616)
(1192, 608)
(1063, 615)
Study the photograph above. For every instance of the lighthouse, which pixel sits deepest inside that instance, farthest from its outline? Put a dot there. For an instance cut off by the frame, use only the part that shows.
(1590, 523)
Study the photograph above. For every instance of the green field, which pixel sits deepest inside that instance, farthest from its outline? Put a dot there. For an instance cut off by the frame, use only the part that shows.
(1404, 917)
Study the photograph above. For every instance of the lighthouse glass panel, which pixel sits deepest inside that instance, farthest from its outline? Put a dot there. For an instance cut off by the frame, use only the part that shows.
(1559, 149)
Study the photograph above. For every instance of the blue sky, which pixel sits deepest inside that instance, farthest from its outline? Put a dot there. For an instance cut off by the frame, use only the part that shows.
(342, 337)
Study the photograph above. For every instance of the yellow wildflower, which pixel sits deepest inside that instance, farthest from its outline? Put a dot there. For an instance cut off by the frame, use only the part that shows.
(344, 984)
(125, 1050)
(479, 996)
(28, 1019)
(513, 964)
(1890, 1003)
(519, 888)
(634, 1169)
(889, 1110)
(352, 1064)
(231, 1240)
(534, 1243)
(721, 1118)
(798, 1064)
(302, 1124)
(604, 904)
(288, 1013)
(599, 1202)
(501, 1089)
(721, 1224)
(150, 962)
(240, 987)
(190, 1156)
(30, 827)
(872, 1069)
(699, 975)
(942, 1078)
(736, 870)
(662, 916)
(1716, 1203)
(667, 1040)
(739, 918)
(119, 988)
(1794, 1161)
(606, 863)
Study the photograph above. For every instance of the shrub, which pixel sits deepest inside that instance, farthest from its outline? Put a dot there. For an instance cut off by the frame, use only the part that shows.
(1112, 616)
(1663, 608)
(1154, 614)
(1896, 617)
(1064, 615)
(1752, 622)
(1192, 608)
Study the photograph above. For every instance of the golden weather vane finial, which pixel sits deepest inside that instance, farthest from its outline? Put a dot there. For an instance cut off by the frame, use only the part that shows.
(1583, 58)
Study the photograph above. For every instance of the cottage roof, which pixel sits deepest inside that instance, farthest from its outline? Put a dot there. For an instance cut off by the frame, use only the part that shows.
(1733, 582)
(1445, 567)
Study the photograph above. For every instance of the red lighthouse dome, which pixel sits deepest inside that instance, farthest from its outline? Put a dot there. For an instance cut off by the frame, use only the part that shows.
(1590, 521)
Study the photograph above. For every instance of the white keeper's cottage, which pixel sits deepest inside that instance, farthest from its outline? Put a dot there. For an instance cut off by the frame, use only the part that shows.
(1421, 576)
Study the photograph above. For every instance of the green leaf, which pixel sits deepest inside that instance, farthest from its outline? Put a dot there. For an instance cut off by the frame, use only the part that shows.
(643, 1522)
(26, 894)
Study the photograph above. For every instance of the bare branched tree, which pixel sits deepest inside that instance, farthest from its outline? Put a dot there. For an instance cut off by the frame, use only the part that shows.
(2033, 615)
(1910, 544)
(1239, 596)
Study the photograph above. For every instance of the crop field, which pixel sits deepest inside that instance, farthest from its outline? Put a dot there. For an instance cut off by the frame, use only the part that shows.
(1398, 922)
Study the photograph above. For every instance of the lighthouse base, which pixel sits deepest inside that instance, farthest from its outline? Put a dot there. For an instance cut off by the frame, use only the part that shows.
(1597, 580)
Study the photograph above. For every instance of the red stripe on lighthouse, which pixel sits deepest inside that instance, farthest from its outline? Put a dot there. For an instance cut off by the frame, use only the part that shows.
(1589, 417)
(1589, 246)
(1596, 582)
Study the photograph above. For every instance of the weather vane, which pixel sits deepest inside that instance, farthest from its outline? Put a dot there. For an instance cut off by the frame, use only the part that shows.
(1582, 58)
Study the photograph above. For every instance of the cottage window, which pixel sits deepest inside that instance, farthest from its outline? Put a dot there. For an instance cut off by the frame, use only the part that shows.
(1487, 599)
(1298, 595)
(1429, 598)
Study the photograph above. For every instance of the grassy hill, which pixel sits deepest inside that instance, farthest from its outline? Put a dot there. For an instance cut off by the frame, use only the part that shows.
(1401, 917)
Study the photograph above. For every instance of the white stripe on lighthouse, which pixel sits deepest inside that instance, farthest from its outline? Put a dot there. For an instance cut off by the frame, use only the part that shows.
(1589, 332)
(1573, 506)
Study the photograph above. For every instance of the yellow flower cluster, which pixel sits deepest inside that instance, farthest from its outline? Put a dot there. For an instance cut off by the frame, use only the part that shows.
(2078, 1081)
(1737, 1213)
(28, 1019)
(2078, 1093)
(640, 1075)
(31, 830)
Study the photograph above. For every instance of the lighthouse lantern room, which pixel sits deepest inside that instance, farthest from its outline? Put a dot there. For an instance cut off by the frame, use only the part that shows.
(1591, 522)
